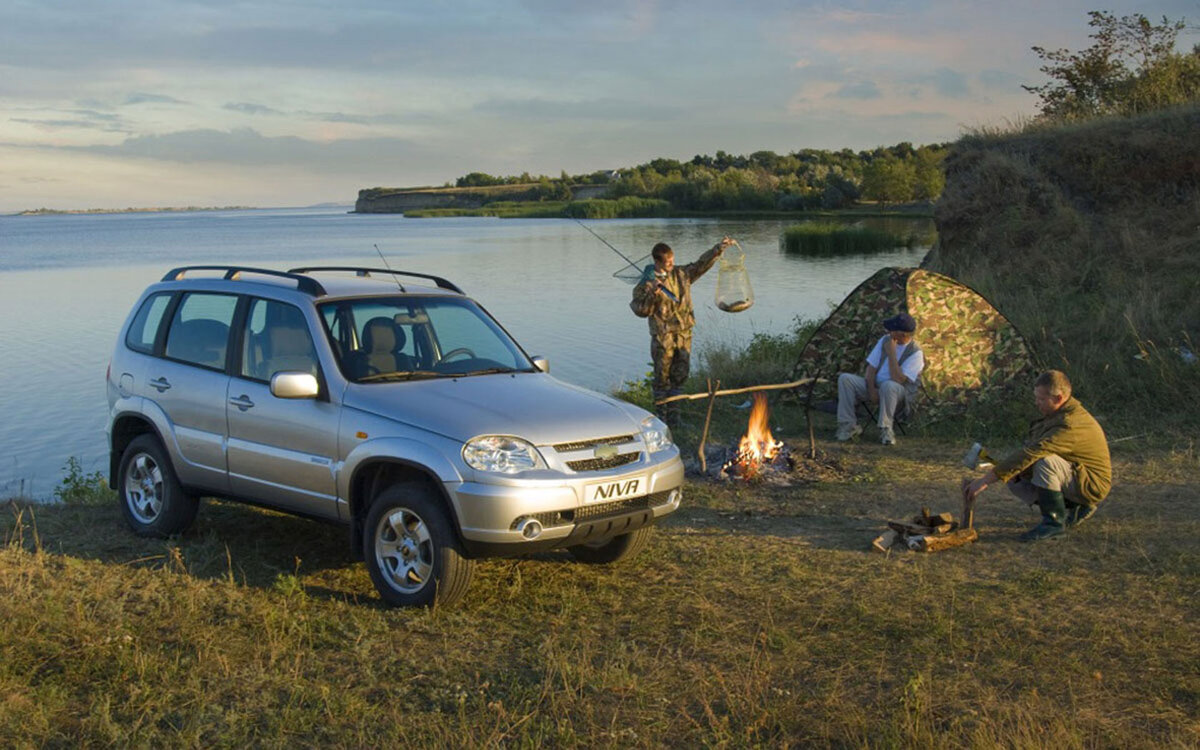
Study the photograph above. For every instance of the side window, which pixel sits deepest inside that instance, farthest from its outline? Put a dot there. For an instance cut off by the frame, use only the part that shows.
(144, 328)
(276, 340)
(199, 331)
(458, 327)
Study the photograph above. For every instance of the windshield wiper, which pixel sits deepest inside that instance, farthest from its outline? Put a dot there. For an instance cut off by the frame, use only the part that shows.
(398, 376)
(487, 371)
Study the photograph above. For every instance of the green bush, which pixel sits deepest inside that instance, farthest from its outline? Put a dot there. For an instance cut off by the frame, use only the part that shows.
(79, 488)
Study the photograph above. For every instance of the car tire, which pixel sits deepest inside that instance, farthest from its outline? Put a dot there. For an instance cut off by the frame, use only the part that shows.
(411, 551)
(613, 549)
(152, 501)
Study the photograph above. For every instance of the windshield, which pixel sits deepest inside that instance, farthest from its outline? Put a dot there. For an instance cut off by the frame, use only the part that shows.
(387, 339)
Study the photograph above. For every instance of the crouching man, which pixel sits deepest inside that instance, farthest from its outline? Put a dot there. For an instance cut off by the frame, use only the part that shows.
(892, 380)
(1063, 467)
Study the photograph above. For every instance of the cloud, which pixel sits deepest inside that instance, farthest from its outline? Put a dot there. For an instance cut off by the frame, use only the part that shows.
(949, 83)
(1000, 80)
(593, 109)
(80, 119)
(249, 108)
(142, 98)
(248, 147)
(860, 90)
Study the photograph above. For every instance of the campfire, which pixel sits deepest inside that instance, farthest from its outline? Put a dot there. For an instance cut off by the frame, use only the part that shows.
(758, 449)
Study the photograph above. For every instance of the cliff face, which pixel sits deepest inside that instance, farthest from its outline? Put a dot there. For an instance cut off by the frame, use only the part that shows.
(1086, 237)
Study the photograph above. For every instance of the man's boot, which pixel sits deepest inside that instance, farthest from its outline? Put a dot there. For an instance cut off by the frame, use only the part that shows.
(1054, 512)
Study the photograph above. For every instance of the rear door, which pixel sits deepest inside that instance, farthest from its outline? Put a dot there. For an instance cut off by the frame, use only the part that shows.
(281, 451)
(189, 383)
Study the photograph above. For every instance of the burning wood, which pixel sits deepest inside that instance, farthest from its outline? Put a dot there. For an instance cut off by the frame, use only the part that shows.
(758, 448)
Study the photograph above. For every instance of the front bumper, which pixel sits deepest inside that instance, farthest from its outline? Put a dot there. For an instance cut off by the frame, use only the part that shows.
(489, 514)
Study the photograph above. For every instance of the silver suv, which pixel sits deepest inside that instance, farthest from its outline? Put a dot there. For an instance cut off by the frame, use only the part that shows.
(405, 412)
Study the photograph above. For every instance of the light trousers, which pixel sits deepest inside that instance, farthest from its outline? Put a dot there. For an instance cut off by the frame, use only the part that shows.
(1052, 473)
(853, 388)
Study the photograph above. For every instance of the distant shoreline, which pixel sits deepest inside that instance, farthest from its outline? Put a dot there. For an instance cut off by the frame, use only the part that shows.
(155, 210)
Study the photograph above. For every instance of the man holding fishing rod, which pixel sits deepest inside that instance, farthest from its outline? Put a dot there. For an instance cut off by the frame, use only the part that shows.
(664, 296)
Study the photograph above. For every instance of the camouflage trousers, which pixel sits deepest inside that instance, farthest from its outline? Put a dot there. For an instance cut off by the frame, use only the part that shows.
(672, 357)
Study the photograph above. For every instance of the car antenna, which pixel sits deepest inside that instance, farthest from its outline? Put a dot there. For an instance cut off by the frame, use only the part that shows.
(389, 267)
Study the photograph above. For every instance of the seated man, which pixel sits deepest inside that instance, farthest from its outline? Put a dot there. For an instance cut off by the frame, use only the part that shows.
(892, 380)
(1063, 466)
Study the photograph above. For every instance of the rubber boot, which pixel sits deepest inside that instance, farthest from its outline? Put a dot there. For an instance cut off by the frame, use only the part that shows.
(1077, 513)
(1054, 512)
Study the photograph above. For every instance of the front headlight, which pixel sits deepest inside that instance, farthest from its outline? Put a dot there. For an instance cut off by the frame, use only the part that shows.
(656, 434)
(501, 454)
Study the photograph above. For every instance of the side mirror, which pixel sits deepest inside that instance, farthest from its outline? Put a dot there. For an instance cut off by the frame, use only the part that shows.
(541, 363)
(294, 385)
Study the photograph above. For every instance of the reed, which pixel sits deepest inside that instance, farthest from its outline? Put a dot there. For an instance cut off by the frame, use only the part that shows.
(820, 238)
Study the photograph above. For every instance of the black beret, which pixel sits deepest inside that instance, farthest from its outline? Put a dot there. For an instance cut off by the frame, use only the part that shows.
(902, 322)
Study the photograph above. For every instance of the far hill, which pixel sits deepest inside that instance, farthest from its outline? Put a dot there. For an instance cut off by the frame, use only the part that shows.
(1087, 236)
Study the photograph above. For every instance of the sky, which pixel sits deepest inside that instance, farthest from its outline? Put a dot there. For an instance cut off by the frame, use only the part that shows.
(270, 103)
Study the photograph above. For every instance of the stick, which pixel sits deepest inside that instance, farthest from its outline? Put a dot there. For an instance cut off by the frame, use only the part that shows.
(733, 391)
(712, 397)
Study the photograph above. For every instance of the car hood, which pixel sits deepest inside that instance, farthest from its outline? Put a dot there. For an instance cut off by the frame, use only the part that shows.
(533, 406)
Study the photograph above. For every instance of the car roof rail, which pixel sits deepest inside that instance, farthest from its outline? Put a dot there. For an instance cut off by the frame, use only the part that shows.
(306, 284)
(443, 283)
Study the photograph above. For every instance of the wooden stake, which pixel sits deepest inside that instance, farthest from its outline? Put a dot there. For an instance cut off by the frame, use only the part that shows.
(712, 397)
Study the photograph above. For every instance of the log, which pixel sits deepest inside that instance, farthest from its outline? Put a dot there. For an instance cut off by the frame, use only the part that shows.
(884, 542)
(920, 529)
(943, 541)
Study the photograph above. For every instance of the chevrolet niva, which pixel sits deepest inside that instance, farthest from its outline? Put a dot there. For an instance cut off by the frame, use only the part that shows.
(404, 412)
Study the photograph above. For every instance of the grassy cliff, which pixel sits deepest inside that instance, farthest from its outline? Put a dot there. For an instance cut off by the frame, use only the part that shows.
(1087, 237)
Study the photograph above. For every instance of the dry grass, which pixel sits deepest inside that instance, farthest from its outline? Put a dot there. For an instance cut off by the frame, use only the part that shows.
(756, 618)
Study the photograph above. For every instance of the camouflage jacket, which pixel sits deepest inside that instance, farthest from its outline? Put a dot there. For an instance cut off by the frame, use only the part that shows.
(1072, 434)
(666, 315)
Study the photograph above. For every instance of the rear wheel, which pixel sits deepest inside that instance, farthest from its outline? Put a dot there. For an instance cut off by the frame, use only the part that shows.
(411, 551)
(613, 549)
(152, 500)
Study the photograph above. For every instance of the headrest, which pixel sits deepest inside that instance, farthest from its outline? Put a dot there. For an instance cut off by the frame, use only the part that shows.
(383, 335)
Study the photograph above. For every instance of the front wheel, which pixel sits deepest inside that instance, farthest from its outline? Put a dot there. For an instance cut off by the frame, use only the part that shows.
(152, 500)
(613, 549)
(411, 551)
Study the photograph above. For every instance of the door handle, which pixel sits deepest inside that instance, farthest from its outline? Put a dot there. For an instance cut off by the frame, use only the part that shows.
(160, 383)
(242, 402)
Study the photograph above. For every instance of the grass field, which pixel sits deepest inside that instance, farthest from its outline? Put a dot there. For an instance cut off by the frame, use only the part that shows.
(756, 618)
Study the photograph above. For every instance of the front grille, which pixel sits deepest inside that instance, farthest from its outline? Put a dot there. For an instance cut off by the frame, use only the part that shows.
(552, 518)
(596, 464)
(600, 510)
(580, 445)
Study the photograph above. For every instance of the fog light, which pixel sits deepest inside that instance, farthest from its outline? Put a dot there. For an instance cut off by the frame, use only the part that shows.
(675, 498)
(530, 528)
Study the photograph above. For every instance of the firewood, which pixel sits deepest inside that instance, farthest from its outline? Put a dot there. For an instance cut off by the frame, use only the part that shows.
(945, 541)
(884, 541)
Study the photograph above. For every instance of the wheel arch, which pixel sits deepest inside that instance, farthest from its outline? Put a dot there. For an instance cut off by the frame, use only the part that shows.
(375, 475)
(125, 429)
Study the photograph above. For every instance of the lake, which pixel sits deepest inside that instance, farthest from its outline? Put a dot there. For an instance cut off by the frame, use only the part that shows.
(68, 282)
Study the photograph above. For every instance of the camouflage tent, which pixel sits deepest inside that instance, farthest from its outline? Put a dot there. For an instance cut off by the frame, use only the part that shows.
(972, 352)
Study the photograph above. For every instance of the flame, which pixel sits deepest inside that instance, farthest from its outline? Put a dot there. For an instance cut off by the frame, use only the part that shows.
(758, 444)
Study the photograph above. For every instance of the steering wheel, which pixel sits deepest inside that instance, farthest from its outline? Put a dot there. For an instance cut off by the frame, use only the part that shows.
(456, 352)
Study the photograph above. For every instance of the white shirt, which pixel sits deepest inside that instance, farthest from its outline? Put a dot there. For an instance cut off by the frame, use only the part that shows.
(911, 367)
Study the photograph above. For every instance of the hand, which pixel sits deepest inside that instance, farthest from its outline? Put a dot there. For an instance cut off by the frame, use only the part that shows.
(724, 243)
(889, 347)
(972, 489)
(872, 393)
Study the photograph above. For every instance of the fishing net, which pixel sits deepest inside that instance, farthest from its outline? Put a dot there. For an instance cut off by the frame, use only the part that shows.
(636, 272)
(734, 292)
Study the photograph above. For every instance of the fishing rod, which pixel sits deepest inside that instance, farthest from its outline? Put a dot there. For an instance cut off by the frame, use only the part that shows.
(606, 242)
(630, 263)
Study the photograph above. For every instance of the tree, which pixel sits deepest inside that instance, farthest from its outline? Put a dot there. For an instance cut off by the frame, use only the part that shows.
(1121, 72)
(929, 177)
(889, 180)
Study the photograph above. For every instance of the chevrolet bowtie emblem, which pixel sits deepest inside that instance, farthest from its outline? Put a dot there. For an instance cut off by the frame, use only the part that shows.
(605, 451)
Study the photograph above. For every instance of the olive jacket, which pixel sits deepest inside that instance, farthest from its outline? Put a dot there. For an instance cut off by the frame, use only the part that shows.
(1074, 435)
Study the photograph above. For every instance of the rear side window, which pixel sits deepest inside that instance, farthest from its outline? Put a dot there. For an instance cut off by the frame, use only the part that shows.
(144, 328)
(199, 331)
